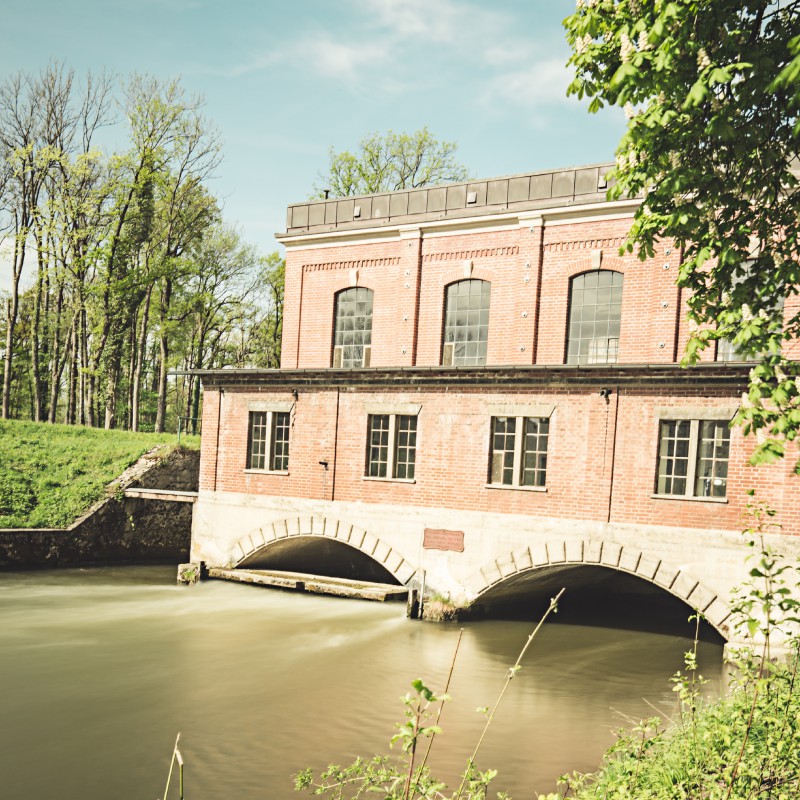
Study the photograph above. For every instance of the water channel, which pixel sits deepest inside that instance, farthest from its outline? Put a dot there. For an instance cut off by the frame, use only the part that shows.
(100, 669)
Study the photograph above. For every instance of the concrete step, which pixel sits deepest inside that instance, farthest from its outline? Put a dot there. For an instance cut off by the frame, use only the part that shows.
(316, 584)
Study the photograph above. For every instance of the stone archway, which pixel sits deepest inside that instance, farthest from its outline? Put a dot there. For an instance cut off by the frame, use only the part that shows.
(280, 532)
(609, 555)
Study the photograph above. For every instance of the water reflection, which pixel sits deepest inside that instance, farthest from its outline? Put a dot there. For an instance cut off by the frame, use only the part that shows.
(101, 668)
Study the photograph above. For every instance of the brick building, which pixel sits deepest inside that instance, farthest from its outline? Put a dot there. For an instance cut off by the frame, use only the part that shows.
(479, 359)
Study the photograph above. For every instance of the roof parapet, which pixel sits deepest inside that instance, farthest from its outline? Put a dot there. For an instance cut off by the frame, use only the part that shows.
(531, 191)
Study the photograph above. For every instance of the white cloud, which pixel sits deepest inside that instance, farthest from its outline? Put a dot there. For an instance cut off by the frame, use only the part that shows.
(542, 83)
(389, 46)
(433, 21)
(340, 60)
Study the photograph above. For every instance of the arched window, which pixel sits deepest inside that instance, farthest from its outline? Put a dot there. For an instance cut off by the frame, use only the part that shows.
(352, 331)
(466, 323)
(595, 306)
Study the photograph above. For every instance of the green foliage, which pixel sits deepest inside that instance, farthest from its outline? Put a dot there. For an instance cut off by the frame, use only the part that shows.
(52, 473)
(745, 745)
(385, 163)
(17, 496)
(711, 92)
(134, 274)
(397, 778)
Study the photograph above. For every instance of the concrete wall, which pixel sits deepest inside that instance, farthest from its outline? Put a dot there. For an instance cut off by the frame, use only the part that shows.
(130, 531)
(700, 567)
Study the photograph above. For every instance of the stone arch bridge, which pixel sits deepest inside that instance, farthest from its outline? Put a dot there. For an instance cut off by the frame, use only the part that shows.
(505, 558)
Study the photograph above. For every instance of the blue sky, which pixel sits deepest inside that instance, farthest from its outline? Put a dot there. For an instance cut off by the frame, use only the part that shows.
(284, 81)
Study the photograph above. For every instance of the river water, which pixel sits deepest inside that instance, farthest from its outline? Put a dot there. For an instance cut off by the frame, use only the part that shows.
(101, 668)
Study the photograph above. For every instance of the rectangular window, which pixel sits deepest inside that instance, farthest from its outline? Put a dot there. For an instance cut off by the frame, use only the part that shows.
(268, 441)
(693, 458)
(391, 446)
(518, 454)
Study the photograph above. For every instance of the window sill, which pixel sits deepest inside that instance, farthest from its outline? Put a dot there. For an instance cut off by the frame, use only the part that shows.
(691, 499)
(388, 480)
(515, 488)
(266, 472)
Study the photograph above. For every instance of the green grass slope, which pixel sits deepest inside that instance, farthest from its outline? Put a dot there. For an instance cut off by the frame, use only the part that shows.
(50, 474)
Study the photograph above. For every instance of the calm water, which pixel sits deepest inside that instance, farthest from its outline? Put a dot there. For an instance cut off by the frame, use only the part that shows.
(100, 668)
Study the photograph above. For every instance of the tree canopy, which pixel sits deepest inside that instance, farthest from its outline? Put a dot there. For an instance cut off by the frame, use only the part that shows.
(385, 163)
(134, 274)
(711, 91)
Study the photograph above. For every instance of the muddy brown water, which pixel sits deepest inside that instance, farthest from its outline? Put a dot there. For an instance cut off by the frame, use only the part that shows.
(101, 668)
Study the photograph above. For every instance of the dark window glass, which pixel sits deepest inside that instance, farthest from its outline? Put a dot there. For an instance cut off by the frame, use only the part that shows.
(534, 452)
(280, 441)
(405, 446)
(378, 445)
(519, 461)
(268, 440)
(502, 455)
(257, 440)
(673, 457)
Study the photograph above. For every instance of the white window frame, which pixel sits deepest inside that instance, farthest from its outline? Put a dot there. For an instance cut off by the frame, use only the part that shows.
(270, 411)
(519, 450)
(391, 466)
(692, 459)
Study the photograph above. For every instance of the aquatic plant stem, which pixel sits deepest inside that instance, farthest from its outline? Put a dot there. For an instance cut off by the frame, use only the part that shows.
(509, 677)
(171, 765)
(441, 704)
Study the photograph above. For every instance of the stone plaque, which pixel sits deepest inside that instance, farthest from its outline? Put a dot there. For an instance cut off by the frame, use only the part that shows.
(436, 539)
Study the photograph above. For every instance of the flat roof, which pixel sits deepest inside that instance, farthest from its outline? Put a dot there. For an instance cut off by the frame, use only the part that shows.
(530, 191)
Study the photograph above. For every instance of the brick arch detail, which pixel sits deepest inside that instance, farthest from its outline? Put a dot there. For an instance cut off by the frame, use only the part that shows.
(608, 555)
(344, 284)
(456, 274)
(264, 536)
(583, 265)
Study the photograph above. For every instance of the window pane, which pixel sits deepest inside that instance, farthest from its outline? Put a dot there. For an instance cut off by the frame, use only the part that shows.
(502, 455)
(467, 320)
(378, 445)
(280, 441)
(594, 318)
(712, 459)
(673, 457)
(406, 446)
(257, 440)
(353, 325)
(534, 453)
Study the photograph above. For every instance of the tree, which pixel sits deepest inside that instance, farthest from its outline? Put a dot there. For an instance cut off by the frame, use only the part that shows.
(391, 162)
(711, 90)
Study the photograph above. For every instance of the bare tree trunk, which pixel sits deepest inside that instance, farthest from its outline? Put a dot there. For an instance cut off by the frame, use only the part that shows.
(72, 374)
(86, 382)
(56, 361)
(12, 311)
(140, 351)
(161, 412)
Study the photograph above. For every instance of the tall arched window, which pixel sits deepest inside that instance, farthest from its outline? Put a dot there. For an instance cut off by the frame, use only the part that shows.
(595, 306)
(466, 323)
(352, 331)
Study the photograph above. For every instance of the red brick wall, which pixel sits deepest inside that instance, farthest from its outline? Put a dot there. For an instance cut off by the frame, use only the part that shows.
(452, 461)
(529, 267)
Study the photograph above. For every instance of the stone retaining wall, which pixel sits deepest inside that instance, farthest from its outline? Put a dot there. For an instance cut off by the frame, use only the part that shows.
(117, 530)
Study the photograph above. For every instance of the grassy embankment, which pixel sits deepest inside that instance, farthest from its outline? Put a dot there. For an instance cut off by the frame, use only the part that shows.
(50, 474)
